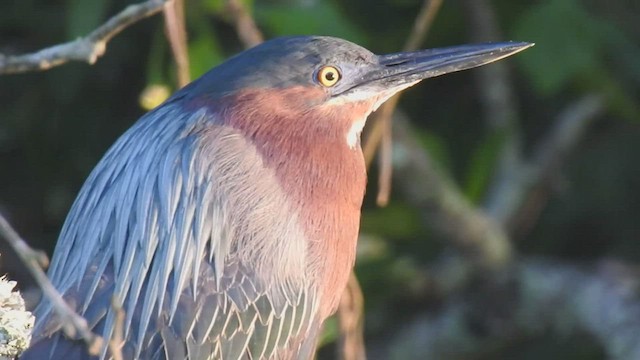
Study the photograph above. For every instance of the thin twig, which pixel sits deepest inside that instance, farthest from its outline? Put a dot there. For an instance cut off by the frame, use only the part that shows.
(351, 322)
(376, 128)
(73, 324)
(244, 23)
(87, 49)
(380, 133)
(533, 184)
(175, 30)
(385, 171)
(422, 24)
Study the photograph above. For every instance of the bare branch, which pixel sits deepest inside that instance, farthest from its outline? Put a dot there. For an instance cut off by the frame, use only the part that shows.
(385, 171)
(541, 296)
(244, 23)
(477, 237)
(87, 49)
(550, 154)
(175, 30)
(376, 128)
(73, 324)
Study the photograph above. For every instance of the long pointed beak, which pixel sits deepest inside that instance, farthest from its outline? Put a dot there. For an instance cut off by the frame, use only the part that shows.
(401, 69)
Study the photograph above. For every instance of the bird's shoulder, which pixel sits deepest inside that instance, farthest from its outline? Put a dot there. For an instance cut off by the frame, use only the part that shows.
(178, 225)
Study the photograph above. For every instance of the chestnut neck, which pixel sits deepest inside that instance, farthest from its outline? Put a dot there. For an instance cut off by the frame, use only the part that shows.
(321, 174)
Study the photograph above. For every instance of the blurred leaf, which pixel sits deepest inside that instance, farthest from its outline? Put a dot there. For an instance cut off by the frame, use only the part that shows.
(84, 16)
(619, 101)
(393, 221)
(371, 248)
(482, 166)
(568, 44)
(214, 6)
(329, 331)
(218, 7)
(204, 48)
(204, 54)
(157, 60)
(309, 18)
(405, 270)
(571, 48)
(624, 55)
(436, 147)
(626, 51)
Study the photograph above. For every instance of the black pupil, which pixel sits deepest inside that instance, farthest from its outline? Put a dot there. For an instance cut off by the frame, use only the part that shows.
(330, 76)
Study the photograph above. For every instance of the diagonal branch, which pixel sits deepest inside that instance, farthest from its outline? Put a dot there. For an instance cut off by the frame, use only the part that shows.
(73, 324)
(351, 320)
(477, 237)
(87, 49)
(530, 190)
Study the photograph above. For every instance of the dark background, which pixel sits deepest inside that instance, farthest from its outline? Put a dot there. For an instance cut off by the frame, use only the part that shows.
(56, 125)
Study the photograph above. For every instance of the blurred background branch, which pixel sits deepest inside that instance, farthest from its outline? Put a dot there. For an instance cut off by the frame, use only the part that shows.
(529, 194)
(475, 235)
(543, 297)
(244, 23)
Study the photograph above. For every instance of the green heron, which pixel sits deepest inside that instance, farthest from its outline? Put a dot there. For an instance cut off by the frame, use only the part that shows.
(225, 220)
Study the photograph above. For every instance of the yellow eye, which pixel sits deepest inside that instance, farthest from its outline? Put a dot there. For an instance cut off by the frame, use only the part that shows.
(328, 76)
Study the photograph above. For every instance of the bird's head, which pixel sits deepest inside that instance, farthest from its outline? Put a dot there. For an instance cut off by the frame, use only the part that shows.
(333, 80)
(300, 104)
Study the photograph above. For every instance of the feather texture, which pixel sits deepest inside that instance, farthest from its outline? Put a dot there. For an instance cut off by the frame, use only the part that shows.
(152, 228)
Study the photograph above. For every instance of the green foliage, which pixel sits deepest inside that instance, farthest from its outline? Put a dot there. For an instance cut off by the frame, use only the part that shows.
(204, 51)
(395, 220)
(436, 147)
(482, 165)
(157, 60)
(307, 18)
(218, 7)
(572, 47)
(568, 44)
(330, 332)
(84, 16)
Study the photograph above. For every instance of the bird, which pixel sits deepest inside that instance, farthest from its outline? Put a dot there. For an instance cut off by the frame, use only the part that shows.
(224, 222)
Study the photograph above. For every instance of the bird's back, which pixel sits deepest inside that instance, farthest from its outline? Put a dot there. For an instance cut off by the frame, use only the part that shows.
(184, 226)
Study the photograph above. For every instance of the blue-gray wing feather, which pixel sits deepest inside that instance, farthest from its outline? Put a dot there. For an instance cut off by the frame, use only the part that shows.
(171, 224)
